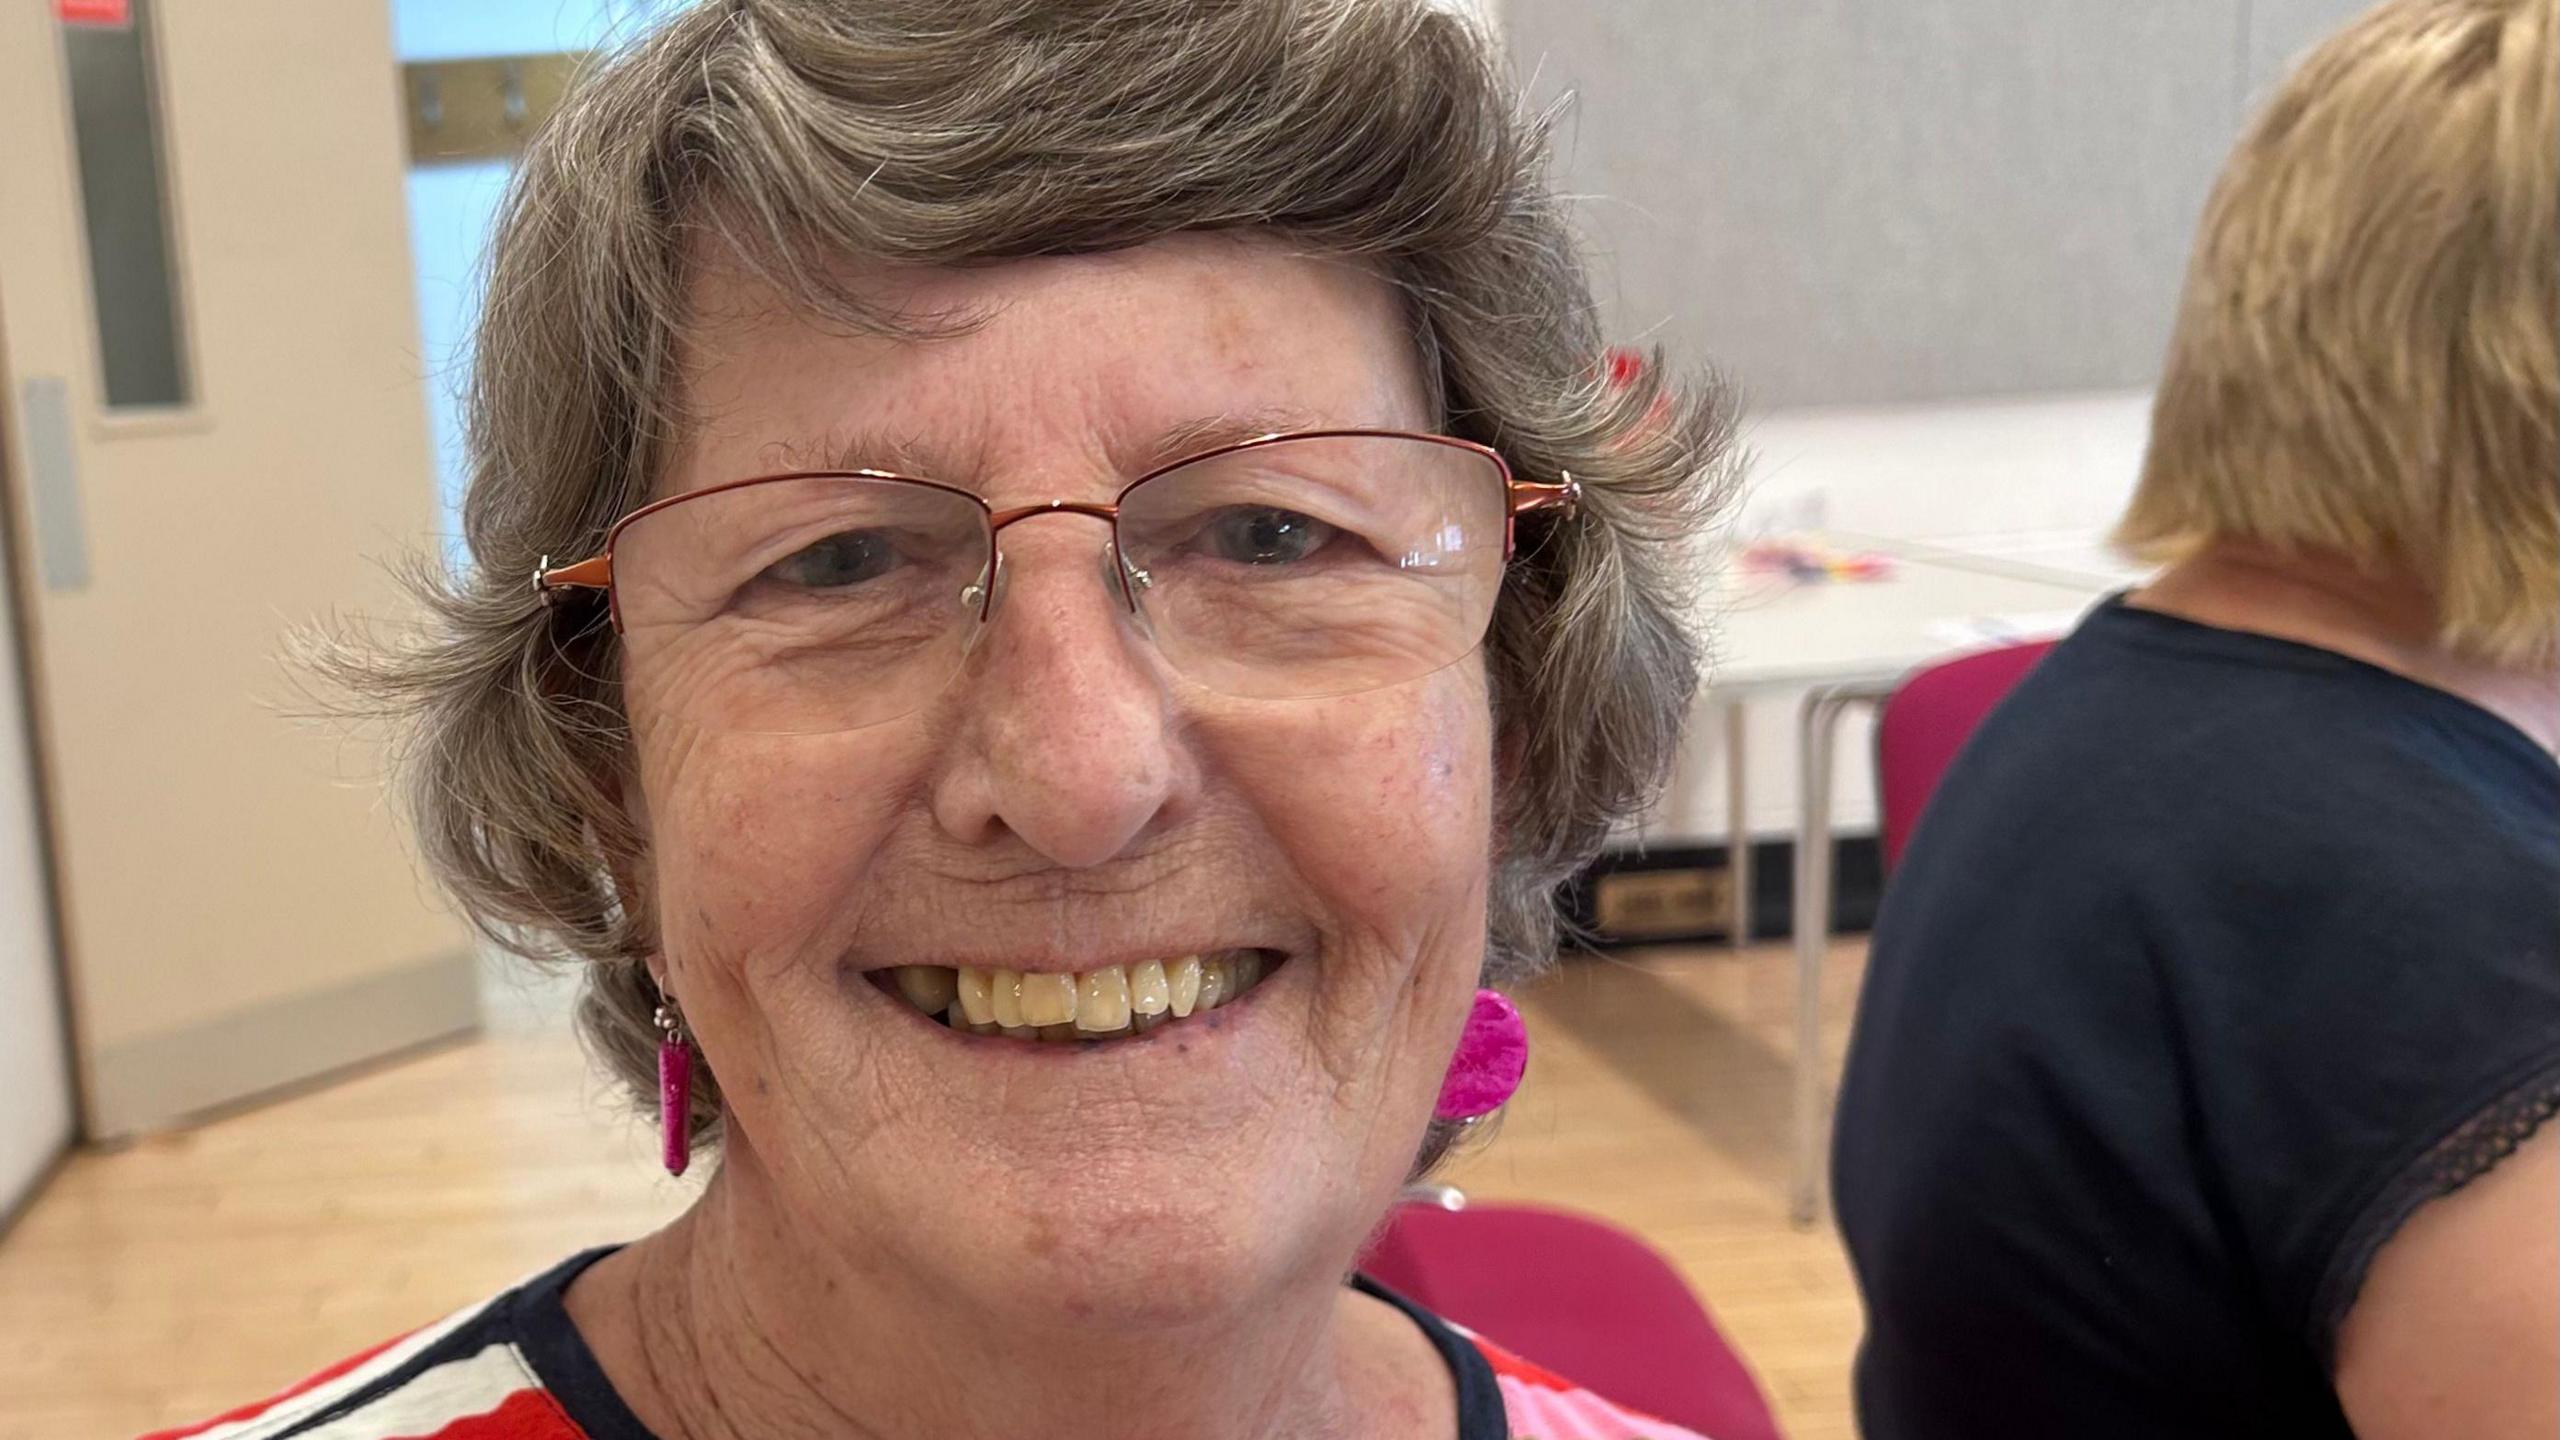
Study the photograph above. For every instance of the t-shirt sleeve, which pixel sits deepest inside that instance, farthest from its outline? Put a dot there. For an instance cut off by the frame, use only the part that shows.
(2470, 1151)
(2361, 1047)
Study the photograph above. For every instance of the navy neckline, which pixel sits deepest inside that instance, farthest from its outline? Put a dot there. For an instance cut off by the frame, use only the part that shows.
(2118, 619)
(538, 1314)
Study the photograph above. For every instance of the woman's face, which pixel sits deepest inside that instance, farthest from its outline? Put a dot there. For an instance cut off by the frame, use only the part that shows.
(1068, 804)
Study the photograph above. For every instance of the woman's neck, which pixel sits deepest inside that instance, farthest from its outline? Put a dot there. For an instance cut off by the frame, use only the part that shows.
(2380, 618)
(732, 1324)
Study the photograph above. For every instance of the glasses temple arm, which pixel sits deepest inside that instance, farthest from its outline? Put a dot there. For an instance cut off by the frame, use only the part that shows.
(1565, 495)
(593, 573)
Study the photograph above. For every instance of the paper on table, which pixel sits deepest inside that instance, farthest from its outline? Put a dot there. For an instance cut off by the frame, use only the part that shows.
(1977, 631)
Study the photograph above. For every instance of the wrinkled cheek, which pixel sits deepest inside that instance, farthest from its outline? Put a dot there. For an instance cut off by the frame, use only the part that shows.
(1414, 803)
(758, 844)
(1382, 804)
(678, 683)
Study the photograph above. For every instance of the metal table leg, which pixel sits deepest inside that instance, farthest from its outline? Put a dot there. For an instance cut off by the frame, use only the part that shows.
(1817, 736)
(1812, 905)
(1737, 720)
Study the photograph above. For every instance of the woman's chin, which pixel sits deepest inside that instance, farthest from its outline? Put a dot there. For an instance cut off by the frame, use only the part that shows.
(1147, 1179)
(1137, 1242)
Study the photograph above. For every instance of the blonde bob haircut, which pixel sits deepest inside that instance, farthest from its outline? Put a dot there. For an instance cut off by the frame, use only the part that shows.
(802, 140)
(2364, 362)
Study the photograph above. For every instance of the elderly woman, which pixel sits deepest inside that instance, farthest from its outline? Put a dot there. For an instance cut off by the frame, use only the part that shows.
(2204, 1080)
(1055, 588)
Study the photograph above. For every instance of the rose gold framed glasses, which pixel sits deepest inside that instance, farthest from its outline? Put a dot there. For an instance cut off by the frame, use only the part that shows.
(1296, 564)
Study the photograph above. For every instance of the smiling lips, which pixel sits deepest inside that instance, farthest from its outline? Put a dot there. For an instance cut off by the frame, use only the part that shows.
(1105, 1004)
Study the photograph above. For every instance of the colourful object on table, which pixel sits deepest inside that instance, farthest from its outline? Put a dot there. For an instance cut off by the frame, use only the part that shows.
(1810, 561)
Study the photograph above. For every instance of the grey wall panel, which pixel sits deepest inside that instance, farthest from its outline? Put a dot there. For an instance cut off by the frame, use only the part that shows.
(2283, 31)
(1886, 200)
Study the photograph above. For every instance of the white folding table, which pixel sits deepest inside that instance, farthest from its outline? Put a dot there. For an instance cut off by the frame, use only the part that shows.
(1845, 643)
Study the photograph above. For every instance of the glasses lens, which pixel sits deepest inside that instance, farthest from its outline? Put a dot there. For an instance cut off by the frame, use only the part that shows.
(799, 606)
(1318, 565)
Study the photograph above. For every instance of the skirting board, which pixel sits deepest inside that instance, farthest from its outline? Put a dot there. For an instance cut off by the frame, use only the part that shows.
(166, 1079)
(1677, 895)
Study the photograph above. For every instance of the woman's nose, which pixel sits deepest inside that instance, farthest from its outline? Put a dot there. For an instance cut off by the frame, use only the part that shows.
(1067, 733)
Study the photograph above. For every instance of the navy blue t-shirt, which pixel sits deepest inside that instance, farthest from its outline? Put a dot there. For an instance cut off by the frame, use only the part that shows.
(2213, 958)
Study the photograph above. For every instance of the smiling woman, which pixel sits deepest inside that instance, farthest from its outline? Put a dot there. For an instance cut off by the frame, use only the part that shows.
(1056, 847)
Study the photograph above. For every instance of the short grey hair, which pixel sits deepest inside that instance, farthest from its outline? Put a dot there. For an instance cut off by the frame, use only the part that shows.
(788, 136)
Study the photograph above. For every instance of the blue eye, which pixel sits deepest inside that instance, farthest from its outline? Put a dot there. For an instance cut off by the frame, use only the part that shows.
(843, 559)
(1264, 535)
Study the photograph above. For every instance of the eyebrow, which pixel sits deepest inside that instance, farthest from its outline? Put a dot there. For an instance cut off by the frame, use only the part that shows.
(898, 455)
(1211, 432)
(856, 450)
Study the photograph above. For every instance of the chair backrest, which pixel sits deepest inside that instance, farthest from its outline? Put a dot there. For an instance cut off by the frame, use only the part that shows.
(1925, 723)
(1578, 1297)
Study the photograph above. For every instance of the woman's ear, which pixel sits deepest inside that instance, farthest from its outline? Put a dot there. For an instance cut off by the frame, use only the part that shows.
(624, 843)
(1510, 761)
(1510, 753)
(621, 790)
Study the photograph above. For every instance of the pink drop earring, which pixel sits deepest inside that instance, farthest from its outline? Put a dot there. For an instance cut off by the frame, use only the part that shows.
(675, 1087)
(1492, 1055)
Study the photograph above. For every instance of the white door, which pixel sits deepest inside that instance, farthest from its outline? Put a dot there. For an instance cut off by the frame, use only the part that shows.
(35, 1065)
(216, 430)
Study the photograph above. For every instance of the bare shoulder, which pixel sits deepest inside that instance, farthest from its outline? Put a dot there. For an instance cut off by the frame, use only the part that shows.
(2457, 1328)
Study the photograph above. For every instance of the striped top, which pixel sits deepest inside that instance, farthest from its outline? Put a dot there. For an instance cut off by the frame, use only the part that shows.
(515, 1368)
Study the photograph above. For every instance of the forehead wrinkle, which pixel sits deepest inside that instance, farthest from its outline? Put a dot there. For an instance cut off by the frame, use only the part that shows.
(941, 417)
(923, 458)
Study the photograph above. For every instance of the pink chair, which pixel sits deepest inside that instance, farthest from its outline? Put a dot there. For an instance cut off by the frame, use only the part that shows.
(1578, 1297)
(1926, 721)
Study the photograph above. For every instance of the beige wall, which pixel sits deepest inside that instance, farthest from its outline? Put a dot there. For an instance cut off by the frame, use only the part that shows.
(228, 870)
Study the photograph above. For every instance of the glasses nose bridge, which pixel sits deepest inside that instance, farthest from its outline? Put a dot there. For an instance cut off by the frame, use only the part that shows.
(1107, 512)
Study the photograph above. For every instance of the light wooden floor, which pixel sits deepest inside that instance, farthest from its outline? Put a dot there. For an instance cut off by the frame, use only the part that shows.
(168, 1281)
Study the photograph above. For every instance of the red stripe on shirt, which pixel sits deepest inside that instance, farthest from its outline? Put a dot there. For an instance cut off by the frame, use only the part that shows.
(523, 1415)
(1506, 1363)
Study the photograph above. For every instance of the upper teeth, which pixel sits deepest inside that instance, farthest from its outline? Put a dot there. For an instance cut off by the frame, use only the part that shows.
(1114, 1000)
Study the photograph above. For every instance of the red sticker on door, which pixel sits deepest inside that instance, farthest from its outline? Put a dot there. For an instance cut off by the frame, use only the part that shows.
(115, 13)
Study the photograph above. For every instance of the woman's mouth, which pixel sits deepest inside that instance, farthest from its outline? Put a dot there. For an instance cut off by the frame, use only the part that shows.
(1113, 1002)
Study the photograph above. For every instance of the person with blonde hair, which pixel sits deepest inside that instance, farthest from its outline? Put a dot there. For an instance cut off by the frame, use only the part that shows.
(1054, 589)
(2204, 1079)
